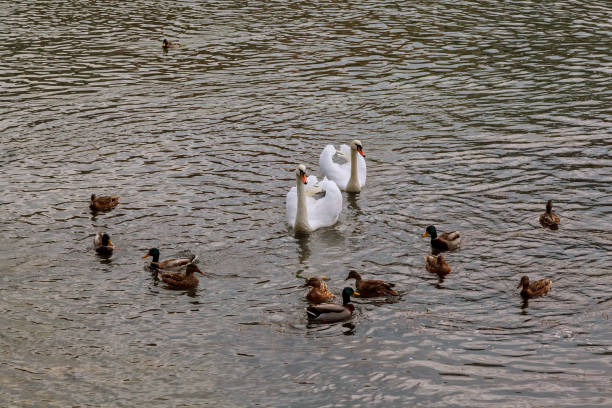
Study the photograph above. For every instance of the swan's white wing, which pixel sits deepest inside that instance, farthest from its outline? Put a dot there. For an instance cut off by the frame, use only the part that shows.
(326, 210)
(361, 164)
(339, 173)
(291, 206)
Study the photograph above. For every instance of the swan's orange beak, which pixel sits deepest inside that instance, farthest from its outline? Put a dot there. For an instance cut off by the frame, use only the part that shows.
(425, 234)
(360, 150)
(304, 178)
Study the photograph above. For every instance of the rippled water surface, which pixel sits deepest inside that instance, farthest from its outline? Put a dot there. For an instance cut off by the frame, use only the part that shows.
(472, 114)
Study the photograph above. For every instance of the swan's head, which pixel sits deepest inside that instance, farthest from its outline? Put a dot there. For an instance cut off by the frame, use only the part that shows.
(300, 173)
(524, 282)
(356, 145)
(353, 275)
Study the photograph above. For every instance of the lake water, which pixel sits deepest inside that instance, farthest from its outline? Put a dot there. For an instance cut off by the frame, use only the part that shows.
(472, 115)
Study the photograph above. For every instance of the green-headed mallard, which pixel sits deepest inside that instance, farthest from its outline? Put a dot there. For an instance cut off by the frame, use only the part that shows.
(104, 203)
(534, 289)
(167, 264)
(329, 312)
(371, 288)
(180, 281)
(318, 292)
(170, 44)
(447, 241)
(103, 244)
(549, 218)
(437, 264)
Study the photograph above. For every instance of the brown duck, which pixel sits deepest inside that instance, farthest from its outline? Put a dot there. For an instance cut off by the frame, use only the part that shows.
(180, 281)
(104, 203)
(318, 292)
(533, 289)
(437, 264)
(371, 288)
(549, 218)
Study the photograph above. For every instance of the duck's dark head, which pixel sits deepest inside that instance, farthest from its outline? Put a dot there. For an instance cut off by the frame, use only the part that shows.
(314, 282)
(524, 282)
(154, 252)
(347, 293)
(165, 43)
(353, 274)
(106, 240)
(192, 268)
(431, 231)
(549, 207)
(93, 198)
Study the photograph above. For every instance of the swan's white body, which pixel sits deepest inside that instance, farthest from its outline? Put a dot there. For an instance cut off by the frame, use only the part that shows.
(349, 176)
(306, 213)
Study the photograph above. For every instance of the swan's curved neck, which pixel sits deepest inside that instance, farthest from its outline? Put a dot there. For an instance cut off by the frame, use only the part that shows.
(353, 184)
(301, 218)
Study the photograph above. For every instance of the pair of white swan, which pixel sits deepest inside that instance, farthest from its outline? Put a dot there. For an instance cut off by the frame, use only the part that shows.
(306, 213)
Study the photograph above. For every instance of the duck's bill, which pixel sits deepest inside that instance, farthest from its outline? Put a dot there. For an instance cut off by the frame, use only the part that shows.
(425, 234)
(110, 243)
(356, 293)
(145, 256)
(519, 286)
(304, 179)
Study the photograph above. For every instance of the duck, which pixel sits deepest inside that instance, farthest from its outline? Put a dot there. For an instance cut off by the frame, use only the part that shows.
(318, 292)
(549, 218)
(331, 312)
(168, 264)
(170, 44)
(103, 244)
(533, 289)
(371, 288)
(437, 264)
(447, 241)
(350, 176)
(306, 213)
(103, 203)
(180, 281)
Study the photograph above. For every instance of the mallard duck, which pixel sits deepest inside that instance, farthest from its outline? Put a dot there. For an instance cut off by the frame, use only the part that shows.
(167, 264)
(534, 289)
(447, 241)
(318, 292)
(104, 203)
(170, 44)
(437, 264)
(180, 281)
(549, 218)
(330, 312)
(103, 244)
(371, 288)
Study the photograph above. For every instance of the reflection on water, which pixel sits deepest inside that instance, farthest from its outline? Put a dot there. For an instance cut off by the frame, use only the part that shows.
(475, 114)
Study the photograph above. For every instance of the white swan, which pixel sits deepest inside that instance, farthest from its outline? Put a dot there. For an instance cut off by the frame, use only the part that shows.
(304, 212)
(351, 175)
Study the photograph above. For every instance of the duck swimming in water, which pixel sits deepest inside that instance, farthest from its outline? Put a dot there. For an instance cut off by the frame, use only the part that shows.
(103, 203)
(180, 281)
(447, 241)
(167, 264)
(534, 289)
(318, 292)
(549, 218)
(329, 312)
(103, 244)
(371, 288)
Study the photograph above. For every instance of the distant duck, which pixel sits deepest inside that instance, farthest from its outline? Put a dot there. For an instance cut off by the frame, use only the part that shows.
(180, 281)
(318, 292)
(371, 288)
(329, 312)
(549, 218)
(304, 212)
(170, 44)
(104, 203)
(447, 241)
(167, 264)
(534, 289)
(103, 244)
(437, 264)
(349, 176)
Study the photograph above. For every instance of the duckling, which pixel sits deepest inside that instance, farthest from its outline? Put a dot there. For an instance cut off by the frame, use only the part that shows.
(180, 281)
(549, 218)
(104, 203)
(318, 292)
(371, 288)
(170, 44)
(534, 289)
(167, 264)
(437, 264)
(103, 244)
(447, 241)
(330, 312)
